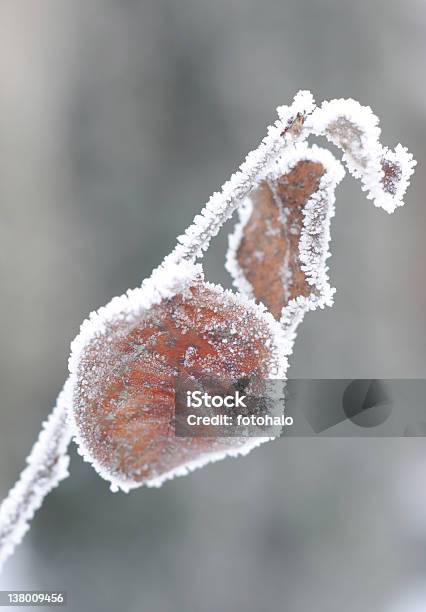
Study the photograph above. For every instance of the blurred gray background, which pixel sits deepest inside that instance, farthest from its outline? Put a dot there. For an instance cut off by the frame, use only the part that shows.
(117, 121)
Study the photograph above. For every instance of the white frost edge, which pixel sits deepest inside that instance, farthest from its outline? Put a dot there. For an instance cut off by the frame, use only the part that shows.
(220, 207)
(239, 279)
(314, 267)
(364, 162)
(164, 283)
(314, 243)
(189, 467)
(38, 478)
(407, 163)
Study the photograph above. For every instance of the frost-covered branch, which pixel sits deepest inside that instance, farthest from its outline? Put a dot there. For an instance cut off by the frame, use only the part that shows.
(220, 207)
(277, 253)
(47, 466)
(129, 354)
(384, 174)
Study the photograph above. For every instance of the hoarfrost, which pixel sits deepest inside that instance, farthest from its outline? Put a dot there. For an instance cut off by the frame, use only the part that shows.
(313, 242)
(283, 133)
(150, 346)
(384, 175)
(47, 466)
(354, 129)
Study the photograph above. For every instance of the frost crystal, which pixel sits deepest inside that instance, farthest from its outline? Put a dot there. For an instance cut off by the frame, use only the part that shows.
(129, 353)
(277, 253)
(285, 131)
(129, 367)
(354, 128)
(47, 466)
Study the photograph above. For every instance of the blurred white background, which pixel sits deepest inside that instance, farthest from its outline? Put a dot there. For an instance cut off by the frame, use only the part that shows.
(117, 121)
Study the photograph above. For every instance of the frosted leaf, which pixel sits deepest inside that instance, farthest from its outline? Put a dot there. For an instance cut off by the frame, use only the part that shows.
(126, 376)
(164, 282)
(47, 466)
(397, 167)
(277, 252)
(293, 186)
(354, 128)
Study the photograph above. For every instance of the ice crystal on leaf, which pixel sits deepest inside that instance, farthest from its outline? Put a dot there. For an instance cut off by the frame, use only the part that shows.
(47, 466)
(277, 253)
(127, 373)
(354, 128)
(125, 363)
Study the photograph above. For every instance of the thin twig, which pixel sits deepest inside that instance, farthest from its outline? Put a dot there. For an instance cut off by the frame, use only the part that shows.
(47, 466)
(384, 175)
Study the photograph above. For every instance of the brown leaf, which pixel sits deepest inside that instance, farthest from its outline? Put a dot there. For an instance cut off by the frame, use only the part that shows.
(392, 173)
(268, 253)
(125, 395)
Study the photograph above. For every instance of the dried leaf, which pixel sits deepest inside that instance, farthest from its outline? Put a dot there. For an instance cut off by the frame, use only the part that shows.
(124, 398)
(125, 360)
(384, 174)
(269, 251)
(278, 250)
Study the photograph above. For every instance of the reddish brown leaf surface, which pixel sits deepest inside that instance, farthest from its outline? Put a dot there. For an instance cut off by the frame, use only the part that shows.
(124, 401)
(268, 253)
(392, 173)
